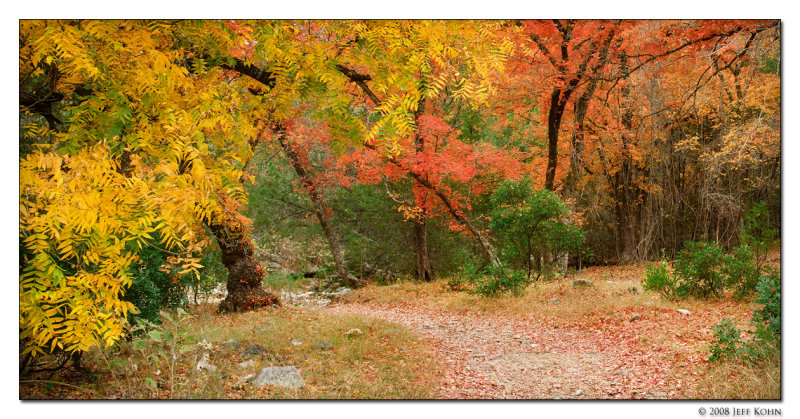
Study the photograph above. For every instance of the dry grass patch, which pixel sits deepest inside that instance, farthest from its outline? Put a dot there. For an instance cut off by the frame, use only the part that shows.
(616, 289)
(384, 361)
(735, 379)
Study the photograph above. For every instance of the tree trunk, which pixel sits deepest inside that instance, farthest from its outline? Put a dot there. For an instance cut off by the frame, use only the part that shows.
(423, 262)
(245, 273)
(628, 195)
(557, 104)
(320, 209)
(424, 269)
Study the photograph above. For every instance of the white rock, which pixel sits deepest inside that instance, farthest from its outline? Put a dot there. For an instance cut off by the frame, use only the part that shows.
(682, 311)
(203, 364)
(280, 376)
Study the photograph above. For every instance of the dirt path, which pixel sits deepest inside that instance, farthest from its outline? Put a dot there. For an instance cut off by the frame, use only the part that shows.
(496, 357)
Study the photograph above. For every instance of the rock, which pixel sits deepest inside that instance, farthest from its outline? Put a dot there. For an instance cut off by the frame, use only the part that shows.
(204, 365)
(280, 376)
(296, 343)
(633, 290)
(684, 312)
(243, 381)
(554, 300)
(579, 392)
(231, 344)
(323, 346)
(354, 332)
(623, 372)
(247, 364)
(635, 317)
(254, 350)
(340, 291)
(580, 282)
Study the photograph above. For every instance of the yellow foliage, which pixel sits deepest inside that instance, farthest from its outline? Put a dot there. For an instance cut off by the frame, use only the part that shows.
(142, 161)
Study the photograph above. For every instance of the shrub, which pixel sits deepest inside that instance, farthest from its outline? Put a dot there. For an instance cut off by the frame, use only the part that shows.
(727, 341)
(495, 280)
(152, 289)
(697, 270)
(768, 317)
(531, 224)
(657, 278)
(767, 320)
(741, 271)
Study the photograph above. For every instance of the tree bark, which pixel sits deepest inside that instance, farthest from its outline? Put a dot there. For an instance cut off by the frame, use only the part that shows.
(320, 209)
(423, 261)
(424, 269)
(557, 104)
(628, 195)
(245, 273)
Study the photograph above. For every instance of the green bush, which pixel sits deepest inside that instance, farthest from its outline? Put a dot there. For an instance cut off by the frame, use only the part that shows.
(495, 280)
(531, 224)
(768, 317)
(727, 342)
(698, 270)
(658, 278)
(152, 289)
(767, 321)
(741, 271)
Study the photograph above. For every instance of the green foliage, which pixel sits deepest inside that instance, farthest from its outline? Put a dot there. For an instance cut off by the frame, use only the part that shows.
(757, 231)
(658, 278)
(531, 223)
(494, 281)
(741, 271)
(768, 317)
(767, 321)
(164, 344)
(698, 270)
(152, 289)
(727, 342)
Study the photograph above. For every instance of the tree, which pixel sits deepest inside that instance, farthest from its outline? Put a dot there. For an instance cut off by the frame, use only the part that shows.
(530, 222)
(422, 60)
(130, 145)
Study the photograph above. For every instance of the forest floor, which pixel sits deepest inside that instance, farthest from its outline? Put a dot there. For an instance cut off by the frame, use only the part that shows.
(415, 340)
(607, 341)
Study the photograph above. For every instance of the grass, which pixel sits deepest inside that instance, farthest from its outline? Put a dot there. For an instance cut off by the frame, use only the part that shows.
(286, 282)
(736, 379)
(609, 305)
(610, 294)
(383, 362)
